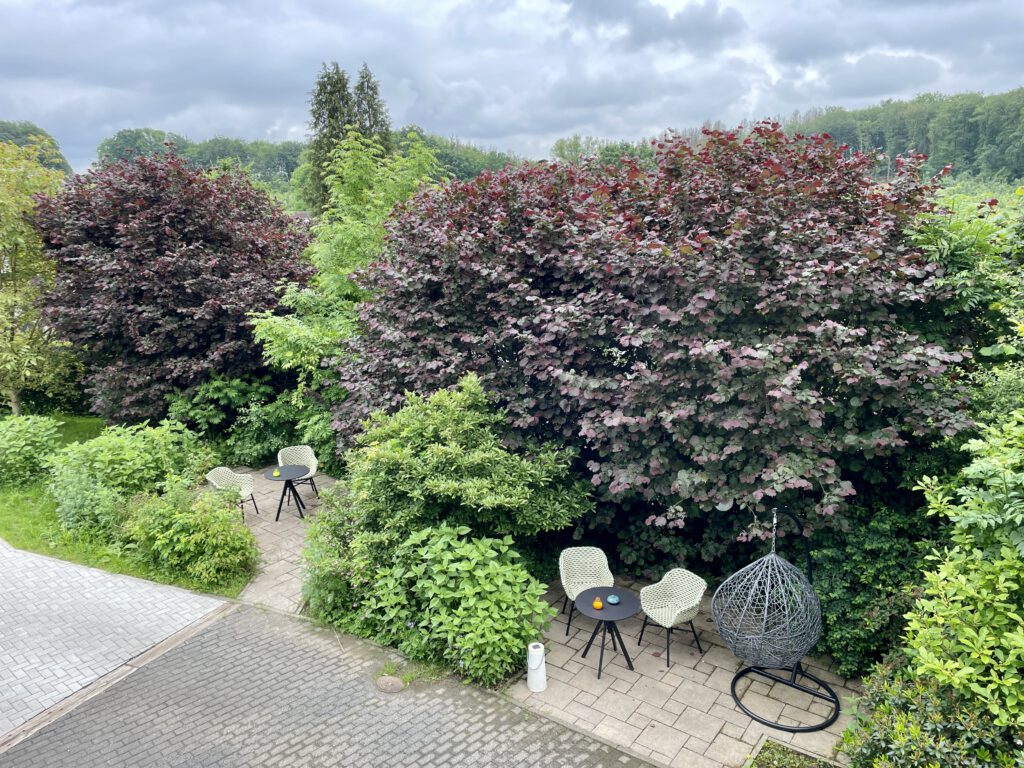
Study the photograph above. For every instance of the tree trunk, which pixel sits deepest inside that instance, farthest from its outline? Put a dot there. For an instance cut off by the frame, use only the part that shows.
(14, 400)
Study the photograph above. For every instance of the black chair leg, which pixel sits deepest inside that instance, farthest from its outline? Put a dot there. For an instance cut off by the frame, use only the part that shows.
(572, 607)
(668, 648)
(565, 602)
(641, 638)
(312, 482)
(253, 497)
(695, 637)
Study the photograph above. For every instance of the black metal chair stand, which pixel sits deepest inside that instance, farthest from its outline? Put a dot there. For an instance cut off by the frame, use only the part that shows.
(823, 692)
(668, 639)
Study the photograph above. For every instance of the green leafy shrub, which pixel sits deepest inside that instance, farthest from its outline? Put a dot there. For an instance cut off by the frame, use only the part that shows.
(331, 590)
(907, 721)
(862, 577)
(120, 462)
(467, 602)
(997, 391)
(439, 461)
(198, 534)
(213, 405)
(985, 501)
(442, 459)
(86, 506)
(261, 429)
(957, 698)
(25, 444)
(966, 631)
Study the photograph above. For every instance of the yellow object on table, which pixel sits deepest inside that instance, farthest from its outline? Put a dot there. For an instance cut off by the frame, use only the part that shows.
(598, 605)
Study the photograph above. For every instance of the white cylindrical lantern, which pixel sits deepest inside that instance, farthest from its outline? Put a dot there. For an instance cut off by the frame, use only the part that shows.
(536, 670)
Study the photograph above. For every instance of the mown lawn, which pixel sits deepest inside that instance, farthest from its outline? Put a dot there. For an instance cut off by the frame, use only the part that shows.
(78, 428)
(28, 520)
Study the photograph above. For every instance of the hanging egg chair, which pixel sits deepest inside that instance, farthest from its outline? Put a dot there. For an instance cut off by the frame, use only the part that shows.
(769, 616)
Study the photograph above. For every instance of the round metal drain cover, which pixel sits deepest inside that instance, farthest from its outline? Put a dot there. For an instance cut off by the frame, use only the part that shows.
(390, 683)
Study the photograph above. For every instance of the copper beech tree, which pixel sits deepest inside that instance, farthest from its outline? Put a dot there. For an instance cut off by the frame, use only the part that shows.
(158, 266)
(716, 337)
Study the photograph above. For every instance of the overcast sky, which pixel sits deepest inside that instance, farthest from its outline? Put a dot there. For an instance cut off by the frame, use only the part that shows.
(512, 74)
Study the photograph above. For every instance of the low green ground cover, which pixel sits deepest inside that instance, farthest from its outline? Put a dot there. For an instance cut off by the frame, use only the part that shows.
(28, 521)
(775, 755)
(191, 539)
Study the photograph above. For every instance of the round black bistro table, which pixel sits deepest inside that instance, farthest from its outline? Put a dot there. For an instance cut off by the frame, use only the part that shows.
(288, 474)
(606, 618)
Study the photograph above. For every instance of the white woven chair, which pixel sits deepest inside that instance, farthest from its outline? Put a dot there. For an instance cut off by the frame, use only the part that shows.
(581, 568)
(223, 479)
(302, 455)
(671, 602)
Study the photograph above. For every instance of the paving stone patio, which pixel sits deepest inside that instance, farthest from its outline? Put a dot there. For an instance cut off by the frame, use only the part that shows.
(64, 625)
(263, 689)
(681, 716)
(278, 582)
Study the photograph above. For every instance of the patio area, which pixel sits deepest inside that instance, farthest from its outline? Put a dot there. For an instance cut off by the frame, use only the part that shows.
(680, 716)
(278, 580)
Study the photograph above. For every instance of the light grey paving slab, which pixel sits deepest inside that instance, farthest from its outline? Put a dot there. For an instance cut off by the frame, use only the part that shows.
(686, 715)
(64, 625)
(278, 580)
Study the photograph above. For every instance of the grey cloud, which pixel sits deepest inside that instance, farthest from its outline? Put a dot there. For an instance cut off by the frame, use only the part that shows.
(699, 26)
(879, 75)
(514, 74)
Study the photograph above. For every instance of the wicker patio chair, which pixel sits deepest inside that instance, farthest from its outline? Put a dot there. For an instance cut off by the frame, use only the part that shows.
(671, 602)
(304, 456)
(223, 479)
(581, 568)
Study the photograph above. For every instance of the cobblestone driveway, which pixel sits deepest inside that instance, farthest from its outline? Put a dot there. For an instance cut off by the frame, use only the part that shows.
(262, 689)
(64, 625)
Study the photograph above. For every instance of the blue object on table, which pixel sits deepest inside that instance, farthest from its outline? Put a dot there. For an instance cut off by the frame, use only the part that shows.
(613, 599)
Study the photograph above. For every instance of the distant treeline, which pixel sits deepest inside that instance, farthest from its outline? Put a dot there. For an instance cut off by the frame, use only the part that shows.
(270, 162)
(980, 135)
(274, 162)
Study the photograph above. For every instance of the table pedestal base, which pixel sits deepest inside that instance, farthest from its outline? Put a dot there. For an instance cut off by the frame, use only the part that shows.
(289, 491)
(606, 628)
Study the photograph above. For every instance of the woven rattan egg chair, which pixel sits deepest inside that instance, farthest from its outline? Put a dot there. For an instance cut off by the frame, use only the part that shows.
(769, 616)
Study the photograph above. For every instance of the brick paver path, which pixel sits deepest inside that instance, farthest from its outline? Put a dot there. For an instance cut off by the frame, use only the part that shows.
(63, 625)
(278, 582)
(262, 689)
(679, 716)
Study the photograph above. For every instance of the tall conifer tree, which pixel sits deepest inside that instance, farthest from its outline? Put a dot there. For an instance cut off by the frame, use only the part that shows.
(335, 105)
(371, 111)
(331, 109)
